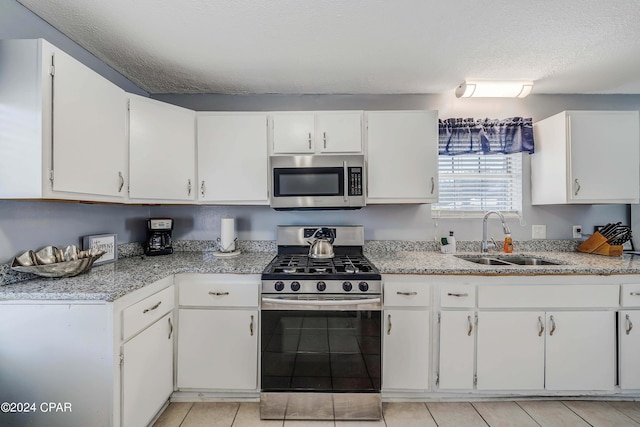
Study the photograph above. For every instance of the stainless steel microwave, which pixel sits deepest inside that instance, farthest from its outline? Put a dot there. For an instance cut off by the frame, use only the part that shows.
(317, 182)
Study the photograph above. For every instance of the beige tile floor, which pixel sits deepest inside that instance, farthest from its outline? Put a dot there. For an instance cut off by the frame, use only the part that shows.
(547, 413)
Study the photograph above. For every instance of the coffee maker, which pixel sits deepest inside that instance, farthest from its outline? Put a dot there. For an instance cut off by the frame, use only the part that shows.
(159, 236)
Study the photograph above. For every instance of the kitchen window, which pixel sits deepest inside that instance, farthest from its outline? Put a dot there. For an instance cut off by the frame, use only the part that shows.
(472, 184)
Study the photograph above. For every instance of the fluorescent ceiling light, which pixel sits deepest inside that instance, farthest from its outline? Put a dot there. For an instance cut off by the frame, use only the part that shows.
(493, 89)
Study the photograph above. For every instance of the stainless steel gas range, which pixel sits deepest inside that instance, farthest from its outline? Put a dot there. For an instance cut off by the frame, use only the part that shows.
(321, 330)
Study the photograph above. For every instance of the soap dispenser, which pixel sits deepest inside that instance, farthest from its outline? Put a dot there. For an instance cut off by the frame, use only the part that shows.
(508, 244)
(452, 242)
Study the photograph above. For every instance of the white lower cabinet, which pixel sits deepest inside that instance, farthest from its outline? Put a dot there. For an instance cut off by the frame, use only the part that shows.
(218, 332)
(147, 372)
(406, 334)
(457, 346)
(217, 349)
(510, 351)
(560, 350)
(629, 349)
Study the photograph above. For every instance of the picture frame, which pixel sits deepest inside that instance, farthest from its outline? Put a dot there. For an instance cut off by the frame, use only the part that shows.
(106, 242)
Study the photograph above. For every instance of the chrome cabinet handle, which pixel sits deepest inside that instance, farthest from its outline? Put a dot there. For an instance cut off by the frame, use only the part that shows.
(629, 325)
(577, 187)
(389, 325)
(146, 310)
(470, 325)
(433, 185)
(553, 326)
(541, 324)
(635, 294)
(121, 178)
(202, 188)
(453, 294)
(309, 140)
(251, 326)
(218, 294)
(324, 137)
(170, 327)
(188, 187)
(407, 293)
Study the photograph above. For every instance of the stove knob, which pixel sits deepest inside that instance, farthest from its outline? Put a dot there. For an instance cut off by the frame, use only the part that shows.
(295, 286)
(321, 286)
(346, 286)
(279, 286)
(363, 286)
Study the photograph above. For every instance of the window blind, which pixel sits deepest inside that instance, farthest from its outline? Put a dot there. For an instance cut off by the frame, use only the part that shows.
(477, 183)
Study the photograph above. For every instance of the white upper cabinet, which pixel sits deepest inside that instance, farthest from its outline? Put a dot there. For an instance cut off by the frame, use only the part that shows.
(162, 162)
(402, 149)
(586, 157)
(317, 132)
(64, 127)
(232, 158)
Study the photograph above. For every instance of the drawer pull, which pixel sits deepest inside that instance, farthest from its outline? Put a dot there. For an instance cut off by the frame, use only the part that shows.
(629, 325)
(407, 293)
(389, 325)
(146, 310)
(251, 326)
(541, 324)
(219, 294)
(451, 294)
(170, 327)
(635, 294)
(553, 326)
(470, 325)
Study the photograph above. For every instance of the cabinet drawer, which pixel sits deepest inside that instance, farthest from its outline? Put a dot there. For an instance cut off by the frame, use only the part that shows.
(401, 293)
(458, 296)
(143, 313)
(207, 292)
(548, 296)
(630, 295)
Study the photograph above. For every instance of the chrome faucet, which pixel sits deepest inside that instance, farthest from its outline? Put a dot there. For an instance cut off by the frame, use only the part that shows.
(505, 228)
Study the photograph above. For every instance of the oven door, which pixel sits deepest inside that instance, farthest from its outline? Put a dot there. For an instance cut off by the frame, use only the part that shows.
(325, 351)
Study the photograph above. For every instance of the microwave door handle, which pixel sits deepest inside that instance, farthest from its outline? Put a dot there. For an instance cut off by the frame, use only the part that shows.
(346, 181)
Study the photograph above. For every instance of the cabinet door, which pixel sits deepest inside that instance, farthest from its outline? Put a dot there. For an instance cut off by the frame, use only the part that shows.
(581, 350)
(405, 356)
(629, 349)
(339, 132)
(457, 347)
(293, 133)
(161, 150)
(402, 151)
(89, 131)
(147, 373)
(232, 158)
(218, 349)
(510, 351)
(604, 156)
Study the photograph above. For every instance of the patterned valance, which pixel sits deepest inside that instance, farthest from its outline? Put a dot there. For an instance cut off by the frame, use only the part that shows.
(485, 136)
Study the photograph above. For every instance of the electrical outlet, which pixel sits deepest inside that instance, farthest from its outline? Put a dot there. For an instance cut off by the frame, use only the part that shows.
(577, 231)
(538, 231)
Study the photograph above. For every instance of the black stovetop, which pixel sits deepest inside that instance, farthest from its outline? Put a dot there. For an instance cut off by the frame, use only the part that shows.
(300, 266)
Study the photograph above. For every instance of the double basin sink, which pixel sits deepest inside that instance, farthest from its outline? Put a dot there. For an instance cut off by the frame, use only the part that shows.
(505, 260)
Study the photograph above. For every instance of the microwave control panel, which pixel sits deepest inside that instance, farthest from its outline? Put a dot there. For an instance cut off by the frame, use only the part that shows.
(355, 181)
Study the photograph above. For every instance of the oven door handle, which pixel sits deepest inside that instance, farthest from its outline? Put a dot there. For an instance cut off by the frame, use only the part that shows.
(322, 302)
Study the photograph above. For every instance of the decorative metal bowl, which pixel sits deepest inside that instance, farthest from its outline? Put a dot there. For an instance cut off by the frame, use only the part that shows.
(53, 262)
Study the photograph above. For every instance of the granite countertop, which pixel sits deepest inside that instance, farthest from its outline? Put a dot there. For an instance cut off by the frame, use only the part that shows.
(111, 281)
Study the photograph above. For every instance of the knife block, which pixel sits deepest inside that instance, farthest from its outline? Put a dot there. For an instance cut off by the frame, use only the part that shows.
(597, 244)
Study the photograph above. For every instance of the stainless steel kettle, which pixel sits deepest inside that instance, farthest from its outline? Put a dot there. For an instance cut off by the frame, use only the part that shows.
(321, 243)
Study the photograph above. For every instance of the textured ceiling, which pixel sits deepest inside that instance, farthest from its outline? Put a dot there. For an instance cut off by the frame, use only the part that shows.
(357, 46)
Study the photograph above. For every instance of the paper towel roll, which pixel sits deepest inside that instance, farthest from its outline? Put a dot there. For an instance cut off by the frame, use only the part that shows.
(227, 234)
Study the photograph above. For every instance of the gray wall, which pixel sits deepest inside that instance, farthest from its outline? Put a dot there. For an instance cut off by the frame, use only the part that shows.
(30, 225)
